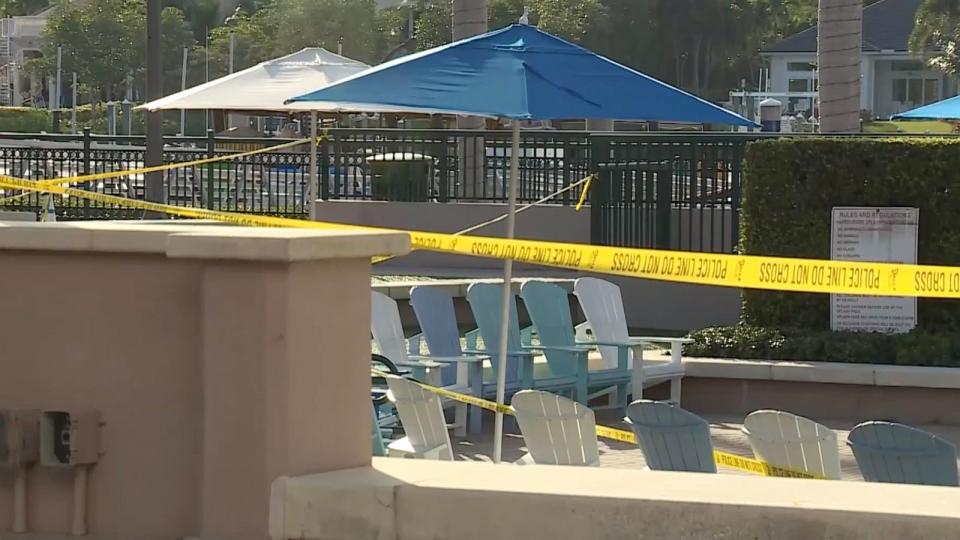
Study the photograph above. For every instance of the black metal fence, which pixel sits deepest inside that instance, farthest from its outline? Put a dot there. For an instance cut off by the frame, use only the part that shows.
(465, 165)
(669, 192)
(676, 191)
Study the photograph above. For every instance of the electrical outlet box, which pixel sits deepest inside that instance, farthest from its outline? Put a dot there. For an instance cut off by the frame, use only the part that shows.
(19, 436)
(69, 438)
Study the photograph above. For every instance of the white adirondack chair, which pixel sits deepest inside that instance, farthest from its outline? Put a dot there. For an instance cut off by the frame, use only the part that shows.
(387, 331)
(556, 430)
(602, 305)
(421, 415)
(793, 442)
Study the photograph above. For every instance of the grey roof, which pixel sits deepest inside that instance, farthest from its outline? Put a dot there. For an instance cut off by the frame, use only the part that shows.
(887, 25)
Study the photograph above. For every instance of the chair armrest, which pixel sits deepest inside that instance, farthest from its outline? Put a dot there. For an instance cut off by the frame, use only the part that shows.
(449, 359)
(628, 344)
(670, 340)
(567, 348)
(419, 364)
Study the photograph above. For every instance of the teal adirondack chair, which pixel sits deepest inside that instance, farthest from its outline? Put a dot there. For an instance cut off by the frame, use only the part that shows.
(671, 438)
(549, 307)
(486, 301)
(895, 453)
(433, 307)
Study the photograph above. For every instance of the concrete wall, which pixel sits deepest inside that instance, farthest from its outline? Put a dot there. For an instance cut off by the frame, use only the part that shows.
(649, 304)
(909, 394)
(419, 500)
(218, 358)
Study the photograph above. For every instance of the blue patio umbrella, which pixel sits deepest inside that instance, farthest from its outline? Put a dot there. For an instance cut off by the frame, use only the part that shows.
(948, 109)
(518, 73)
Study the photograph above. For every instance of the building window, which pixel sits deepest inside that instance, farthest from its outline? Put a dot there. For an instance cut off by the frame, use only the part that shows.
(900, 90)
(931, 91)
(801, 66)
(799, 85)
(907, 65)
(916, 91)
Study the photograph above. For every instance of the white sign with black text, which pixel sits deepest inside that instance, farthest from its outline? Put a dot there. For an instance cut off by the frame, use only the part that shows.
(874, 234)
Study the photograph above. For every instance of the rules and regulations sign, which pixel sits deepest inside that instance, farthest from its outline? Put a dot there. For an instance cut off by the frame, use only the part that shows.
(872, 234)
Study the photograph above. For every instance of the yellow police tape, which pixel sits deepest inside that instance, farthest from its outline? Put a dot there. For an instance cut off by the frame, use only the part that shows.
(156, 168)
(724, 459)
(739, 271)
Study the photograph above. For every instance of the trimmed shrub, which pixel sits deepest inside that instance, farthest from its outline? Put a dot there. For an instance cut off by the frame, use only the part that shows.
(24, 120)
(751, 342)
(791, 186)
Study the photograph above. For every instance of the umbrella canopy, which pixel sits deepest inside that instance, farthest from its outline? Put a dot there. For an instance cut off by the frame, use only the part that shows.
(948, 109)
(265, 86)
(521, 73)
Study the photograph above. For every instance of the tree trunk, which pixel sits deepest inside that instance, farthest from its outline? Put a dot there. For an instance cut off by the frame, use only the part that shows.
(707, 63)
(695, 59)
(839, 44)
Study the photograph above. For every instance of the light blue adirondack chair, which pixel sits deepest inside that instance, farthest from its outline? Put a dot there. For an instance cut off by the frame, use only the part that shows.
(671, 438)
(387, 331)
(895, 453)
(486, 301)
(549, 307)
(438, 322)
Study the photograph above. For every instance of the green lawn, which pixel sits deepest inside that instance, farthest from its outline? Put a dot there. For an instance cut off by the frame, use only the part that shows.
(912, 126)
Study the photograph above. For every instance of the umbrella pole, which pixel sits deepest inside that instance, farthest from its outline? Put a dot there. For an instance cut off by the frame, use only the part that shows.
(507, 292)
(314, 177)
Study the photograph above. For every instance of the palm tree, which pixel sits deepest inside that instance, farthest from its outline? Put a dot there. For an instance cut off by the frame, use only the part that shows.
(469, 18)
(838, 60)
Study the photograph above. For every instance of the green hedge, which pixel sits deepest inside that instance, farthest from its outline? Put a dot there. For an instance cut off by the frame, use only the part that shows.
(791, 186)
(24, 120)
(751, 342)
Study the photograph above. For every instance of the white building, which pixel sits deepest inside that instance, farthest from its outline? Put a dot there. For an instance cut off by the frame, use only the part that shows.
(893, 79)
(20, 42)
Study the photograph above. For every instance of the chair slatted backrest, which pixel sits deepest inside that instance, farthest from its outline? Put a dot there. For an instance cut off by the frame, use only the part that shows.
(386, 327)
(556, 430)
(889, 452)
(793, 442)
(671, 438)
(602, 305)
(433, 307)
(549, 308)
(486, 301)
(421, 415)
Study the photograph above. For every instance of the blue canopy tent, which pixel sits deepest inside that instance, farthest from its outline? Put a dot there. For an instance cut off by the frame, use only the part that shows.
(518, 73)
(948, 109)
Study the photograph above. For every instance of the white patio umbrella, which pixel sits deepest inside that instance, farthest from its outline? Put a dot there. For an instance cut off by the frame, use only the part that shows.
(266, 86)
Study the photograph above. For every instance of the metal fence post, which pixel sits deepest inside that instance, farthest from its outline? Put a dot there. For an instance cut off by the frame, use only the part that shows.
(324, 149)
(664, 206)
(211, 152)
(599, 153)
(443, 170)
(85, 166)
